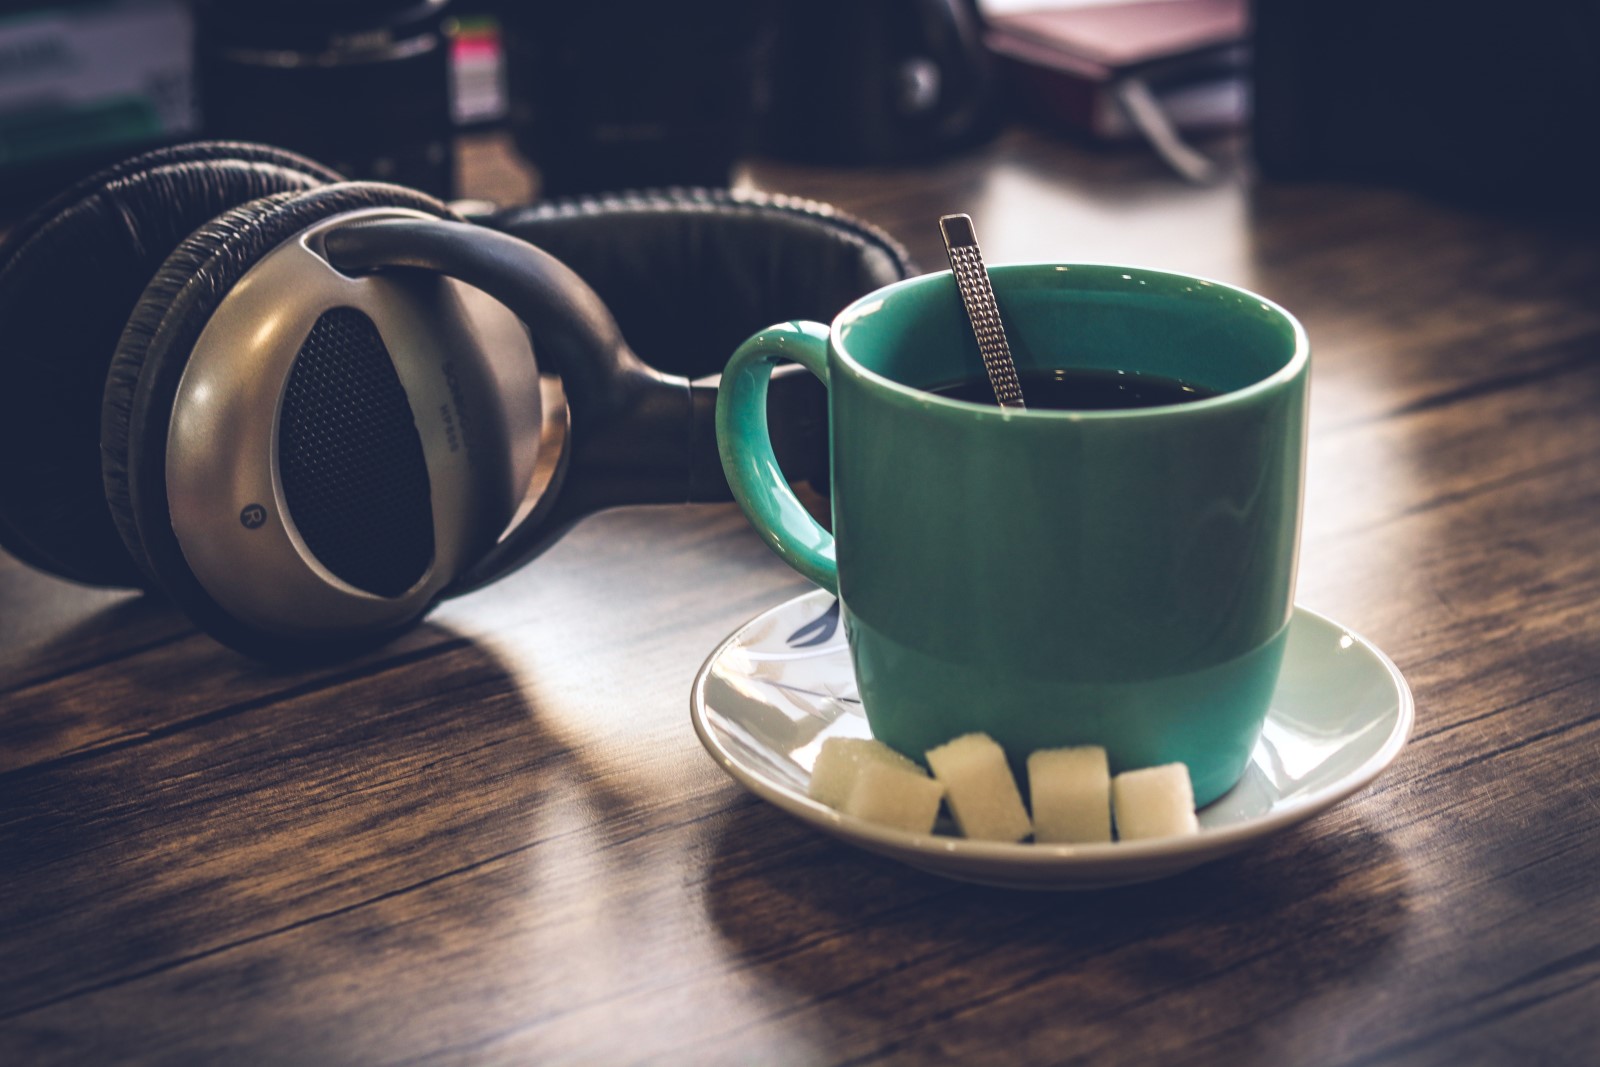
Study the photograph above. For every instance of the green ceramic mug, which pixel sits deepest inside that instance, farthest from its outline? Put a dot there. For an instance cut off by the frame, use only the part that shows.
(1122, 577)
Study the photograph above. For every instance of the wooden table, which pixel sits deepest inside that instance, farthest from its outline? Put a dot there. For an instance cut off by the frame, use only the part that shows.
(498, 840)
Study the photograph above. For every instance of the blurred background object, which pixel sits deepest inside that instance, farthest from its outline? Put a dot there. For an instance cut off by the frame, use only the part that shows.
(880, 81)
(1151, 69)
(604, 95)
(1493, 102)
(361, 85)
(85, 84)
(612, 94)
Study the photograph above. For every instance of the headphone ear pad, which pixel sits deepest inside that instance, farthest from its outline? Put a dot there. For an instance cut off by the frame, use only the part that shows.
(689, 274)
(70, 275)
(142, 384)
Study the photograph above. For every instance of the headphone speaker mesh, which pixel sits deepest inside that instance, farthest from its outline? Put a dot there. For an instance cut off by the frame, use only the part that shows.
(355, 482)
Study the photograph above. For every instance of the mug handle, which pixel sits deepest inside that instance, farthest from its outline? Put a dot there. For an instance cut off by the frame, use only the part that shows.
(745, 444)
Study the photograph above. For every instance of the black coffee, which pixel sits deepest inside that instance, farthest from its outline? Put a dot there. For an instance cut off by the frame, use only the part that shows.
(1074, 389)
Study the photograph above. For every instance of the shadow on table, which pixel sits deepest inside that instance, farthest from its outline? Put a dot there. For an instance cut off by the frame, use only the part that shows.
(878, 955)
(192, 853)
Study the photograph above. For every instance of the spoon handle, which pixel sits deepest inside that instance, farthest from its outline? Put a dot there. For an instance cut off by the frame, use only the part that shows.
(977, 296)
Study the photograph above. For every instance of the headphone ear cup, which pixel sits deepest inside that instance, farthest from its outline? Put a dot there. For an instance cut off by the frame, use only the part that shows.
(142, 385)
(70, 275)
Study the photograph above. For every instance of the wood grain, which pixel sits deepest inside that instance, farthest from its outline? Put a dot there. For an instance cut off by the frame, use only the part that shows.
(497, 840)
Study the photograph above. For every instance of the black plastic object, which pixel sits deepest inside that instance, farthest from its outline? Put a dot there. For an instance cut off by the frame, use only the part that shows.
(879, 81)
(608, 95)
(363, 84)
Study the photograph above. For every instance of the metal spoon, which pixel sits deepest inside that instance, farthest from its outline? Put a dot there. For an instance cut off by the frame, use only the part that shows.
(977, 296)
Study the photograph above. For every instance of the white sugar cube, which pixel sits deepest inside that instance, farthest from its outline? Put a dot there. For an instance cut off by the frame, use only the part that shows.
(840, 761)
(1071, 793)
(1154, 802)
(891, 795)
(870, 780)
(979, 788)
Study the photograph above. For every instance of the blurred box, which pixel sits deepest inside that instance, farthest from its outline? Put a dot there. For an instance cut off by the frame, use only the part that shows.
(82, 84)
(1114, 71)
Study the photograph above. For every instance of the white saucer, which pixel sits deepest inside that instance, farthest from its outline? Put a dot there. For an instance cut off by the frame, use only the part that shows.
(771, 693)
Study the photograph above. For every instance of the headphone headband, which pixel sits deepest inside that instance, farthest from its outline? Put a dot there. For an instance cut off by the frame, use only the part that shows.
(306, 409)
(635, 434)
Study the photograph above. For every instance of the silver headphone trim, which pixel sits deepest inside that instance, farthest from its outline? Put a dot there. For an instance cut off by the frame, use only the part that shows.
(222, 441)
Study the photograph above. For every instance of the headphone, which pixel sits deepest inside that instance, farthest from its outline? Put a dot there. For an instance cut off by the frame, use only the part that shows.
(306, 409)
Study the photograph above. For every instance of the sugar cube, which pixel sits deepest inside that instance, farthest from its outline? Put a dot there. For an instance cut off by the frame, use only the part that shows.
(1071, 793)
(1154, 802)
(979, 788)
(841, 759)
(891, 795)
